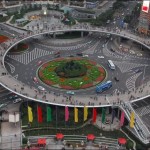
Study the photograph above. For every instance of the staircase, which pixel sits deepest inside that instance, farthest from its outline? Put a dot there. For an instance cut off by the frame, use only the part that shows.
(139, 130)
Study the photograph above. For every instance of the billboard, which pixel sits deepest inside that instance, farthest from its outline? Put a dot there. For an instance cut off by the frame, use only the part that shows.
(145, 6)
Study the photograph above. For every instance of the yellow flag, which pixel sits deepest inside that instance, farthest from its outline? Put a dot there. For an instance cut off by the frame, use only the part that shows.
(85, 113)
(132, 120)
(75, 114)
(30, 115)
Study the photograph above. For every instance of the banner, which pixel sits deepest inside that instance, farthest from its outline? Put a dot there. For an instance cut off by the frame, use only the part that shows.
(75, 114)
(132, 120)
(49, 114)
(39, 114)
(145, 6)
(66, 113)
(30, 114)
(85, 113)
(122, 118)
(103, 115)
(94, 115)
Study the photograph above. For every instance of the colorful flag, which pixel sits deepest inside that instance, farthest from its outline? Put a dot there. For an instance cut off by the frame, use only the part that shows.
(75, 114)
(94, 115)
(39, 114)
(30, 114)
(103, 115)
(132, 120)
(113, 115)
(49, 114)
(122, 119)
(66, 113)
(85, 113)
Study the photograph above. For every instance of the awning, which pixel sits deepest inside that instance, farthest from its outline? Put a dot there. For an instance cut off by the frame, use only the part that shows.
(90, 137)
(122, 141)
(59, 136)
(42, 141)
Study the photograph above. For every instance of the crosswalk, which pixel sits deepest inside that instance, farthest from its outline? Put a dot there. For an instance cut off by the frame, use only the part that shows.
(12, 68)
(142, 111)
(26, 58)
(116, 91)
(130, 83)
(108, 53)
(125, 66)
(91, 49)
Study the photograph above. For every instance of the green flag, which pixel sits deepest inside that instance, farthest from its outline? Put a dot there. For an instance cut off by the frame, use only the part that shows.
(103, 115)
(49, 114)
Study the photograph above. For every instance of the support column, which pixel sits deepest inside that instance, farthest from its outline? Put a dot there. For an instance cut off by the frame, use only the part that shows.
(82, 34)
(84, 3)
(54, 35)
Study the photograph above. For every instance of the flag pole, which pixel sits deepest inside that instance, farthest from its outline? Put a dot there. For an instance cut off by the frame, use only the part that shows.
(56, 118)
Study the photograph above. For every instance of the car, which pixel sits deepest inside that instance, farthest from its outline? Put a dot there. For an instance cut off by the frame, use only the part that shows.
(137, 70)
(13, 97)
(85, 56)
(3, 105)
(57, 53)
(103, 45)
(112, 50)
(40, 62)
(57, 56)
(70, 92)
(35, 80)
(41, 88)
(71, 56)
(100, 56)
(17, 100)
(116, 79)
(79, 54)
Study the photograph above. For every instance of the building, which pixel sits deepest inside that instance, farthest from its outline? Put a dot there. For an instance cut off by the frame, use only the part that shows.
(144, 20)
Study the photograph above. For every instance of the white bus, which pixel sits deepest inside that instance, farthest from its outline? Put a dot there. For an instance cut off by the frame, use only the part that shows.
(111, 64)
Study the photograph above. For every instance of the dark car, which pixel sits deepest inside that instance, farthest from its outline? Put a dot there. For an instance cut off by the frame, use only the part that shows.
(79, 54)
(116, 79)
(137, 71)
(112, 50)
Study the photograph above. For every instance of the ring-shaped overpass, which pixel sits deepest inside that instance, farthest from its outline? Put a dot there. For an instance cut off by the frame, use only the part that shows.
(124, 97)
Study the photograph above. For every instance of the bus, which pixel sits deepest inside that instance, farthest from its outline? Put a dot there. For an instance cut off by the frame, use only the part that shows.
(111, 65)
(104, 86)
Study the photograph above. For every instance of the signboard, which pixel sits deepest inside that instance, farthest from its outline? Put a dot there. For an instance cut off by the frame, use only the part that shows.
(145, 6)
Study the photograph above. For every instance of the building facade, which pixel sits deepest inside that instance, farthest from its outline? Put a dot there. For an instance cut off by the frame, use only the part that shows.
(144, 19)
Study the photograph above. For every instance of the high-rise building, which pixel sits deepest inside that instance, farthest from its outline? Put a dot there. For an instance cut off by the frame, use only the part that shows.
(144, 20)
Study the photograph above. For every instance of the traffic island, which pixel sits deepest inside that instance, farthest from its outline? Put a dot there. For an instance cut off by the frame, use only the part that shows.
(71, 73)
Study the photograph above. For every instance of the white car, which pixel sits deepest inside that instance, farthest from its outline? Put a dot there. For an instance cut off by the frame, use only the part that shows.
(41, 88)
(100, 56)
(70, 92)
(17, 100)
(103, 45)
(85, 56)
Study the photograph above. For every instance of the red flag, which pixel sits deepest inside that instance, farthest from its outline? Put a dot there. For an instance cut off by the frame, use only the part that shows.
(66, 113)
(39, 114)
(94, 115)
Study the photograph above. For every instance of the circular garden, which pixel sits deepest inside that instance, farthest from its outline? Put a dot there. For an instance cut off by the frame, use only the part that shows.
(71, 73)
(3, 38)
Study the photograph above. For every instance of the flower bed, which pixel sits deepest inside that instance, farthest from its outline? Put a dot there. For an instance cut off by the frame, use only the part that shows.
(3, 38)
(20, 47)
(95, 74)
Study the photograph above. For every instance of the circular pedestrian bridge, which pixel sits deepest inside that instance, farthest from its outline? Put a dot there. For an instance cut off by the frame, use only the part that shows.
(28, 92)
